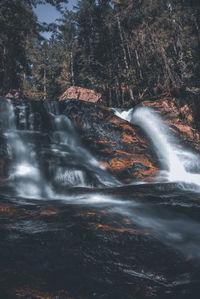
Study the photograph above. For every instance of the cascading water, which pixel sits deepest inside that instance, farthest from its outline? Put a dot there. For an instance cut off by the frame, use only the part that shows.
(179, 165)
(83, 169)
(75, 165)
(125, 114)
(24, 170)
(60, 158)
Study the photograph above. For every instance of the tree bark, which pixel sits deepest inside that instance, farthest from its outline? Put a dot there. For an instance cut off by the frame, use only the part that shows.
(123, 44)
(45, 84)
(125, 56)
(72, 67)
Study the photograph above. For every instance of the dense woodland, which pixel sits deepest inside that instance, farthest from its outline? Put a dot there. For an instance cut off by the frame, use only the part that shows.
(126, 50)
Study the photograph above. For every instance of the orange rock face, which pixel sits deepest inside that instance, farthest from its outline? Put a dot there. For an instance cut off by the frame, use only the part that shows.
(14, 94)
(79, 93)
(120, 230)
(28, 292)
(49, 211)
(119, 146)
(180, 118)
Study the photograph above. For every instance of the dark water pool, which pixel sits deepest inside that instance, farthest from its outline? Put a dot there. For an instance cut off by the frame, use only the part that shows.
(139, 241)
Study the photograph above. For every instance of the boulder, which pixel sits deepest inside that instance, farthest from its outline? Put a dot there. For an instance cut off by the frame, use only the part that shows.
(118, 146)
(82, 94)
(14, 94)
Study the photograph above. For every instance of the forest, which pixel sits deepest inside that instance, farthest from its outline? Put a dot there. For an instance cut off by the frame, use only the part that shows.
(125, 50)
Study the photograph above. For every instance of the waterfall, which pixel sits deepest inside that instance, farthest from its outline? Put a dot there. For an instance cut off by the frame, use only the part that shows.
(52, 107)
(43, 146)
(69, 171)
(82, 168)
(24, 170)
(179, 165)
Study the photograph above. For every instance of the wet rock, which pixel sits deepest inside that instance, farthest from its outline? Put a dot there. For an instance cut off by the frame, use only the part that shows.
(85, 252)
(14, 94)
(118, 146)
(82, 94)
(180, 116)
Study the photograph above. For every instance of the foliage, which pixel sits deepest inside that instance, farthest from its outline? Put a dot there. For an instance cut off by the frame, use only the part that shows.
(124, 49)
(17, 23)
(129, 49)
(19, 27)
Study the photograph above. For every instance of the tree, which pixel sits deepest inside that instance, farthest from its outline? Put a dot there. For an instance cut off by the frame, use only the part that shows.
(124, 49)
(19, 26)
(66, 37)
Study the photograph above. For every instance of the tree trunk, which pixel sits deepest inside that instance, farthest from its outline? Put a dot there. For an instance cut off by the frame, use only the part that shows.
(125, 56)
(138, 63)
(72, 67)
(45, 84)
(123, 44)
(110, 97)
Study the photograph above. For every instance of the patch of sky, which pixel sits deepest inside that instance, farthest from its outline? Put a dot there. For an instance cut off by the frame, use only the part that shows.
(46, 13)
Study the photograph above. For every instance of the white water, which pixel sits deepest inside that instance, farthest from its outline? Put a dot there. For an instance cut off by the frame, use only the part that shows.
(24, 169)
(65, 134)
(72, 165)
(179, 165)
(124, 114)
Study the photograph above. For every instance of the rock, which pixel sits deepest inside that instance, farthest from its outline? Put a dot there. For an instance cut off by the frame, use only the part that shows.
(179, 116)
(81, 94)
(116, 144)
(14, 94)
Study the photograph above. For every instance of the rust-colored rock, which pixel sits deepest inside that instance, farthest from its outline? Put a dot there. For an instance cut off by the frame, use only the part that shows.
(82, 94)
(14, 94)
(28, 292)
(49, 211)
(8, 209)
(179, 116)
(119, 230)
(119, 146)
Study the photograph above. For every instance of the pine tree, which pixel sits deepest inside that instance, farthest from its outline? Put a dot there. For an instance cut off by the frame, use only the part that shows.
(66, 37)
(19, 26)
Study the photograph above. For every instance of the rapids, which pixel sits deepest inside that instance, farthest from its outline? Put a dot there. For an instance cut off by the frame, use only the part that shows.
(70, 229)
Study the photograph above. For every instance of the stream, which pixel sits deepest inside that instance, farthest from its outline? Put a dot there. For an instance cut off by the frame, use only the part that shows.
(70, 229)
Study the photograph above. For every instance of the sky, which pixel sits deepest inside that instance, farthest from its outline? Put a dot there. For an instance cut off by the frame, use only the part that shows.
(47, 13)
